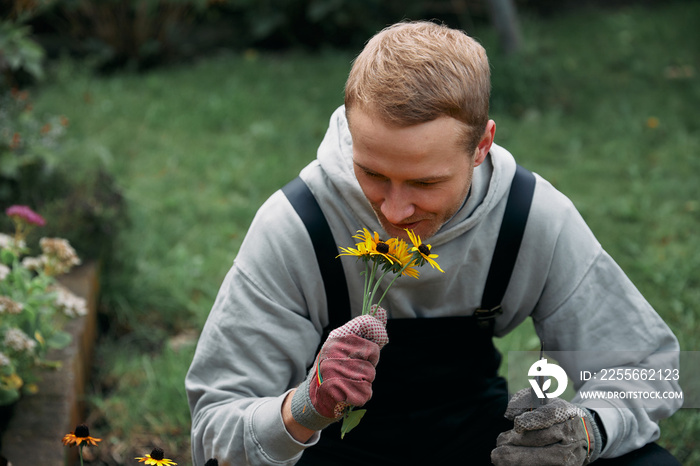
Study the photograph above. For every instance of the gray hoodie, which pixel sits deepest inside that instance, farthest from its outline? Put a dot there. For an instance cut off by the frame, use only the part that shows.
(266, 324)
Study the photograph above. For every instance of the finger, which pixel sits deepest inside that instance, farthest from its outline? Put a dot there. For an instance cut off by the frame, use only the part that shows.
(557, 411)
(350, 347)
(340, 391)
(366, 326)
(378, 313)
(350, 369)
(519, 403)
(553, 455)
(566, 433)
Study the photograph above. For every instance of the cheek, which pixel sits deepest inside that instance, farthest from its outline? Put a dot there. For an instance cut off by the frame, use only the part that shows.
(371, 188)
(440, 201)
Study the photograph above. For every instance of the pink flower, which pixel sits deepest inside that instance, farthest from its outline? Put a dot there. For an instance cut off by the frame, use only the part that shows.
(23, 212)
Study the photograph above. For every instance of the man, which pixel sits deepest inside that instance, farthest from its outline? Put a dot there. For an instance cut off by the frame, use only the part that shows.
(413, 149)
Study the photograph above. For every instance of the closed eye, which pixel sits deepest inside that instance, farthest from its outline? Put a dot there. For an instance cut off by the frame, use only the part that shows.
(372, 174)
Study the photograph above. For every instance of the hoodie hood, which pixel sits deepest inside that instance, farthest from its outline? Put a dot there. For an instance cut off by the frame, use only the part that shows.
(490, 183)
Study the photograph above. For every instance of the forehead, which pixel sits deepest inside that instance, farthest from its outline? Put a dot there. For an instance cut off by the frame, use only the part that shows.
(429, 148)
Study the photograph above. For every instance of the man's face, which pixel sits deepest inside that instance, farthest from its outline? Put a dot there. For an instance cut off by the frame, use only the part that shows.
(414, 177)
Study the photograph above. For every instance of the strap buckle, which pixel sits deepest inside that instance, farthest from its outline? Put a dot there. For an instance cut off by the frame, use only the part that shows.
(485, 318)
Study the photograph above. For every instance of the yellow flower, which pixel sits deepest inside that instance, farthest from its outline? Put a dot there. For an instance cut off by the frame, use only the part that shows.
(370, 245)
(156, 458)
(368, 238)
(399, 250)
(423, 250)
(11, 382)
(81, 436)
(365, 247)
(359, 252)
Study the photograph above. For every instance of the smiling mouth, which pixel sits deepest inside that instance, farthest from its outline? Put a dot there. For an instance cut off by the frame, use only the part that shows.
(406, 225)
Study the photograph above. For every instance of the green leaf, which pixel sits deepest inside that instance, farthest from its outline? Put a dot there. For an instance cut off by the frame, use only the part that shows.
(351, 420)
(59, 340)
(7, 257)
(8, 396)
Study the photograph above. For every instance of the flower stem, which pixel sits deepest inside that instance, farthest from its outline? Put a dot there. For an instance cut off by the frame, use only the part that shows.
(376, 287)
(397, 275)
(80, 451)
(365, 292)
(367, 299)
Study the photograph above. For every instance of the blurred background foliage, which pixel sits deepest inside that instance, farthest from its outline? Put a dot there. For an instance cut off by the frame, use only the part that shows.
(148, 132)
(144, 33)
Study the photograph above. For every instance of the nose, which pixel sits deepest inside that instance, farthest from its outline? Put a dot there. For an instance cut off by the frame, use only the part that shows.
(397, 206)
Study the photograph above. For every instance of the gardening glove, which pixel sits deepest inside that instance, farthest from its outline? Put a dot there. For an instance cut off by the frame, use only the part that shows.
(557, 433)
(343, 372)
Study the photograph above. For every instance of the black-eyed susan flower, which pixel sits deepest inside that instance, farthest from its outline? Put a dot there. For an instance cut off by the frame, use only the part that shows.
(405, 262)
(423, 250)
(369, 239)
(365, 248)
(212, 462)
(80, 437)
(156, 458)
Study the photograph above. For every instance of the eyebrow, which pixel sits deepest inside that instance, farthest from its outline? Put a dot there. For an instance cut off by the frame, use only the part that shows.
(427, 179)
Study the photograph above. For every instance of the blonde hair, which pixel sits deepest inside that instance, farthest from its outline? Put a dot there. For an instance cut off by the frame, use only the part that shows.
(414, 72)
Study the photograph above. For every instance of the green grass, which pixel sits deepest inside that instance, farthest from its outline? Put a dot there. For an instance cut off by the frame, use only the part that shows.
(591, 104)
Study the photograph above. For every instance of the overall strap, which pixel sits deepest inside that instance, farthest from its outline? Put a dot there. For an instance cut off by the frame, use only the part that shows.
(306, 206)
(507, 246)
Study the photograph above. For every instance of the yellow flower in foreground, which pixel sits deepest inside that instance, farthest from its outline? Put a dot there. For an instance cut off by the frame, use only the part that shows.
(424, 250)
(81, 436)
(369, 239)
(399, 250)
(157, 458)
(369, 245)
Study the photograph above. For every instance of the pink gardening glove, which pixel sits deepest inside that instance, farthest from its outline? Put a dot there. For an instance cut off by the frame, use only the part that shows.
(343, 372)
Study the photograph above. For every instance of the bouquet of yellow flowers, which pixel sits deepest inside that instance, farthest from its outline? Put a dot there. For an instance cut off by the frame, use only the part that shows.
(394, 256)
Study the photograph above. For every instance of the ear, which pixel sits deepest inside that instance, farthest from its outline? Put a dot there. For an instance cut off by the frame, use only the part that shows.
(485, 143)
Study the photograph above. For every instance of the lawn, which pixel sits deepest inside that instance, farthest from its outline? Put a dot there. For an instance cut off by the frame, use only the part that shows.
(601, 103)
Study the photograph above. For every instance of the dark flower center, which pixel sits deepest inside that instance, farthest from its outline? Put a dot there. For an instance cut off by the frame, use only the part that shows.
(423, 249)
(82, 431)
(212, 462)
(158, 454)
(382, 247)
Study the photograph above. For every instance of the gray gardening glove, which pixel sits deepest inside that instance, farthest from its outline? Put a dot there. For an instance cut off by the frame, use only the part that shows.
(553, 434)
(343, 373)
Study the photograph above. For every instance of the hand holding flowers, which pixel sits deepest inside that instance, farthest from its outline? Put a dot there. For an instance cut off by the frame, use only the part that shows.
(382, 258)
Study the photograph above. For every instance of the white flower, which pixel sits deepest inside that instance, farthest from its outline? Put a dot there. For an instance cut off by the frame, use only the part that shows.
(72, 305)
(4, 271)
(4, 360)
(18, 340)
(6, 241)
(60, 254)
(10, 306)
(34, 263)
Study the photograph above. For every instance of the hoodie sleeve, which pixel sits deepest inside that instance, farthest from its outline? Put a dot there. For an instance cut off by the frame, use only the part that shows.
(259, 339)
(594, 318)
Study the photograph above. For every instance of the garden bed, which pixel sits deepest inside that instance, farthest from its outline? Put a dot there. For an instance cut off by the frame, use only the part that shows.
(39, 422)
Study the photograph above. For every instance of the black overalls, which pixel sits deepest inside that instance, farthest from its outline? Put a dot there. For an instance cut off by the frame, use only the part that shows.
(425, 409)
